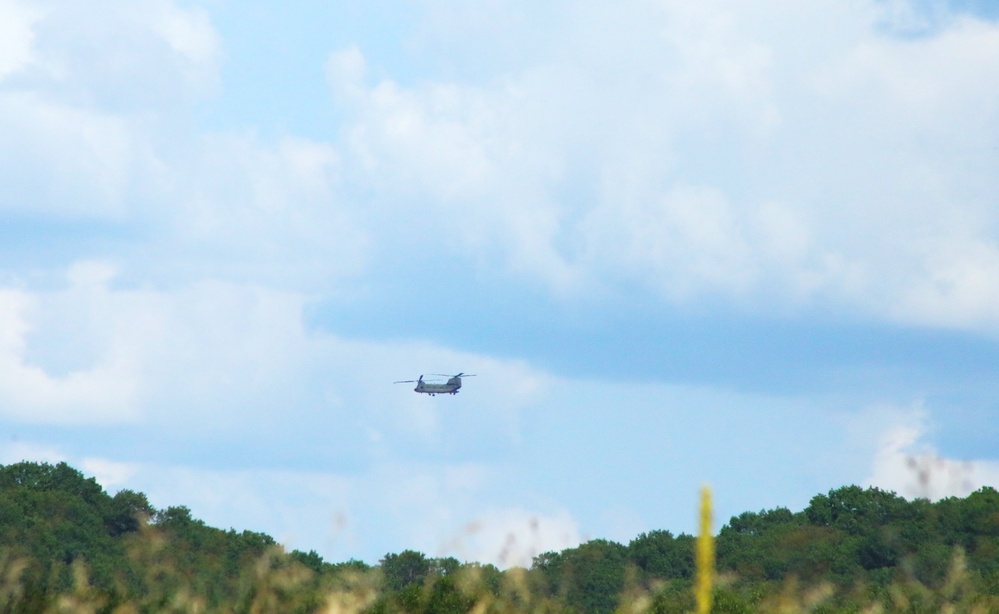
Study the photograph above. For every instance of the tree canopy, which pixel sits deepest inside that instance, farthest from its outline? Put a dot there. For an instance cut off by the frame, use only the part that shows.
(63, 537)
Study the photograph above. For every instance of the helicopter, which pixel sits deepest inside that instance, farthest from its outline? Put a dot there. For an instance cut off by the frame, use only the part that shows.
(451, 387)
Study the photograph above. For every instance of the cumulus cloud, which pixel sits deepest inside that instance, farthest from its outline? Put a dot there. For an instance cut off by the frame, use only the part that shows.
(700, 152)
(712, 150)
(16, 451)
(111, 475)
(242, 209)
(959, 287)
(65, 162)
(104, 390)
(906, 463)
(83, 89)
(92, 352)
(95, 134)
(123, 57)
(216, 357)
(512, 537)
(755, 154)
(17, 37)
(687, 242)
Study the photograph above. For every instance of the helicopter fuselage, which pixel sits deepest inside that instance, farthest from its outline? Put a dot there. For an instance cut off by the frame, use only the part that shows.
(451, 387)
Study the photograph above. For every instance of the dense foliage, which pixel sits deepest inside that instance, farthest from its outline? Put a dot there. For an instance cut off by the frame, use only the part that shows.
(66, 545)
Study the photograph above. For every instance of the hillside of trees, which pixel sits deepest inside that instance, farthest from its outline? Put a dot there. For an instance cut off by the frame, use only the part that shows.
(66, 545)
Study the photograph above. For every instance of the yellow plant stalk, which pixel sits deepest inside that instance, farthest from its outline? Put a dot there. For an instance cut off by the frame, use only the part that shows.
(705, 555)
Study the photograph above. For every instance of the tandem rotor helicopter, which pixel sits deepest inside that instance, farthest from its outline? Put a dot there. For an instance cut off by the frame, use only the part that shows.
(451, 387)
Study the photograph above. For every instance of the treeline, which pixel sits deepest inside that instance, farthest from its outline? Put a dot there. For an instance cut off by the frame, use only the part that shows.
(854, 547)
(66, 545)
(62, 535)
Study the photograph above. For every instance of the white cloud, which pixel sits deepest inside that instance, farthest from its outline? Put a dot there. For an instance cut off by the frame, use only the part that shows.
(111, 475)
(87, 91)
(192, 37)
(512, 537)
(654, 148)
(646, 142)
(910, 466)
(450, 510)
(103, 391)
(760, 154)
(580, 167)
(922, 80)
(64, 162)
(686, 242)
(100, 353)
(224, 206)
(146, 54)
(17, 451)
(16, 36)
(959, 288)
(241, 209)
(235, 358)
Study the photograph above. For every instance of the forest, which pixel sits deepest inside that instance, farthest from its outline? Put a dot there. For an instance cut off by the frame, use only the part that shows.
(68, 546)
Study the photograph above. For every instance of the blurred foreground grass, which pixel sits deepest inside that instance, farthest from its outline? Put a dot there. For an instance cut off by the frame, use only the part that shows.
(276, 585)
(279, 582)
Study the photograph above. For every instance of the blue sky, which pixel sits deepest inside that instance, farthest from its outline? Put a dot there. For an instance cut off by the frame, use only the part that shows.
(750, 246)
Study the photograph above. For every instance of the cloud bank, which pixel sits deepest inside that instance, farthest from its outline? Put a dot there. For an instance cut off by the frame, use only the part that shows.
(200, 302)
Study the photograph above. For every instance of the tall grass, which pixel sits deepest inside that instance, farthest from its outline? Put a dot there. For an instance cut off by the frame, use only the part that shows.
(705, 554)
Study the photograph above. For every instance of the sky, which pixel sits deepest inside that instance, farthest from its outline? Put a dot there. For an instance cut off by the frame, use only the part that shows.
(753, 246)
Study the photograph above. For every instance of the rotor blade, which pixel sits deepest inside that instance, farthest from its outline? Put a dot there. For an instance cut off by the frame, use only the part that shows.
(405, 381)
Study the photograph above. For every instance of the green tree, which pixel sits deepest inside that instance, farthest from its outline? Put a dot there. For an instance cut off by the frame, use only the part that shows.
(590, 577)
(127, 511)
(760, 545)
(856, 510)
(762, 523)
(311, 560)
(403, 569)
(660, 555)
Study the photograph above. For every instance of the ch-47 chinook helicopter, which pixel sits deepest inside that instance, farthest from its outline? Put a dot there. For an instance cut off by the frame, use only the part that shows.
(451, 387)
